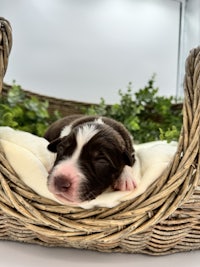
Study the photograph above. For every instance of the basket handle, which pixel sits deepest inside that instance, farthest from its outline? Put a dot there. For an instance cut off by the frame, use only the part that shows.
(5, 47)
(191, 107)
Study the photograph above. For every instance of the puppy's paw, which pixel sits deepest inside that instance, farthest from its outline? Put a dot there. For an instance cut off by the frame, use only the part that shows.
(128, 180)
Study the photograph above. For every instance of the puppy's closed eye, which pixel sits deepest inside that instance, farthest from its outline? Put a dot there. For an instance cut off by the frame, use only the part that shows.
(102, 159)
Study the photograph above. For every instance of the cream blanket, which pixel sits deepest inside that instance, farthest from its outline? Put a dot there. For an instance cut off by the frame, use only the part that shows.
(29, 157)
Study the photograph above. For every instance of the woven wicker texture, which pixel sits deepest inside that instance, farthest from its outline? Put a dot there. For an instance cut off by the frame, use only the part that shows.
(5, 47)
(164, 220)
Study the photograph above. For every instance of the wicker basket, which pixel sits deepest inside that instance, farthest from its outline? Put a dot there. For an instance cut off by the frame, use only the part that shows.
(164, 220)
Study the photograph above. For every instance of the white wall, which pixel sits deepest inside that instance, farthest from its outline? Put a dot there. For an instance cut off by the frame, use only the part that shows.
(190, 36)
(192, 25)
(85, 49)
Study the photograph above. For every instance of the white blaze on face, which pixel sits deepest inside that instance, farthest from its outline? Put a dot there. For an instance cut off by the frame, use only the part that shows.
(83, 136)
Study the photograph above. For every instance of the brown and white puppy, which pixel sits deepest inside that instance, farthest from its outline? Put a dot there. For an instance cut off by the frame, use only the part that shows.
(93, 154)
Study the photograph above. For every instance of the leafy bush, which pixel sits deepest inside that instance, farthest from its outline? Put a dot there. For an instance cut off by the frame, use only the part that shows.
(25, 113)
(145, 114)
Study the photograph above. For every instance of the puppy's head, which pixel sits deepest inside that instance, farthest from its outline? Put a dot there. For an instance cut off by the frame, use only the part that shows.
(89, 160)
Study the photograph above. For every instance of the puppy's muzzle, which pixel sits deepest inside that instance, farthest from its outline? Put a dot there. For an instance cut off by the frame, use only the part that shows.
(65, 181)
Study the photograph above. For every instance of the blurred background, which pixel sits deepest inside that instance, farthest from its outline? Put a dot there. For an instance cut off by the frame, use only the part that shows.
(86, 49)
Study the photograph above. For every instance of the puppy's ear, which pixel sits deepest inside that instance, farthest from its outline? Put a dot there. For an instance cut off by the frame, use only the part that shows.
(129, 158)
(53, 145)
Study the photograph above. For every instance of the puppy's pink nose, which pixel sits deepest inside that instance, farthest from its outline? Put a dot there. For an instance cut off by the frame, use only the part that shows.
(61, 183)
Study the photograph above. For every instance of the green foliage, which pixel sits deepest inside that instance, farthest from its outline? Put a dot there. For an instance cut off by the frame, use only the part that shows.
(25, 113)
(171, 134)
(145, 114)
